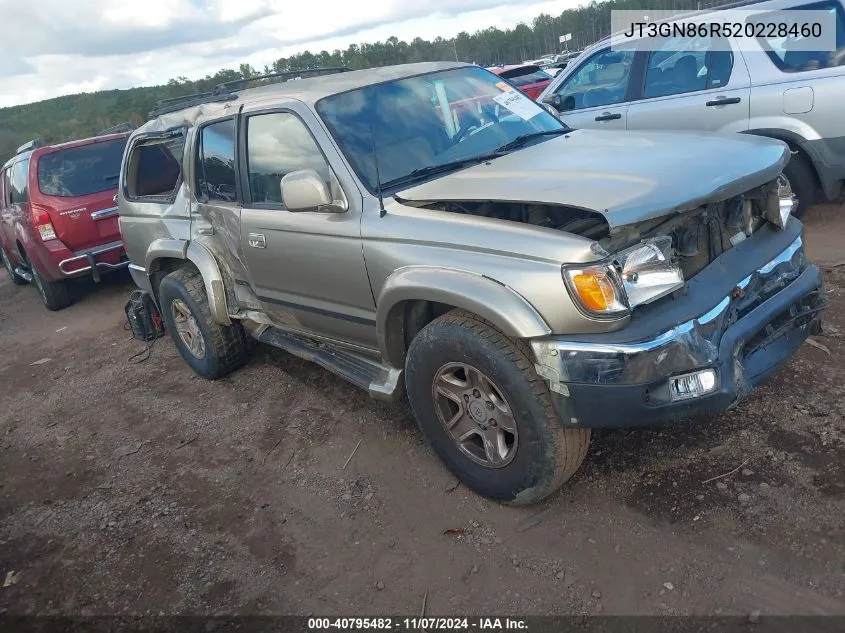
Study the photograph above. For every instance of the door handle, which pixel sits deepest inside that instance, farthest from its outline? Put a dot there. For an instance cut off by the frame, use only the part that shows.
(607, 116)
(723, 101)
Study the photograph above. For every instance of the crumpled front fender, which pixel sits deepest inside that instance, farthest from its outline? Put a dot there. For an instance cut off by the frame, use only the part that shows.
(501, 305)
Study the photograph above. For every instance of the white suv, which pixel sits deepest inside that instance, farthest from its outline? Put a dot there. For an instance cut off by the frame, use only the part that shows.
(792, 95)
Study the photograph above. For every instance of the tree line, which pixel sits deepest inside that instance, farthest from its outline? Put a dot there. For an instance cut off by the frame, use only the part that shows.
(77, 116)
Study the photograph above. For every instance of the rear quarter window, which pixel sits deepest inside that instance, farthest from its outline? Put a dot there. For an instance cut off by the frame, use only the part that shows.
(81, 171)
(786, 53)
(154, 168)
(19, 182)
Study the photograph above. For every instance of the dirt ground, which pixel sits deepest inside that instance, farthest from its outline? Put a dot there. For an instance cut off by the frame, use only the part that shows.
(143, 489)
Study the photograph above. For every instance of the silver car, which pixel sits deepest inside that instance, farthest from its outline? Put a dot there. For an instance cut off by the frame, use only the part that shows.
(429, 230)
(761, 88)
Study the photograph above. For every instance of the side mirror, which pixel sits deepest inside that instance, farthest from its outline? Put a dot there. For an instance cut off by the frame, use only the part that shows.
(553, 100)
(551, 109)
(305, 190)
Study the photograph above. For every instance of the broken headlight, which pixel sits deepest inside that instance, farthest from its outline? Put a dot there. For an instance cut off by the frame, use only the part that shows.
(780, 207)
(648, 271)
(636, 276)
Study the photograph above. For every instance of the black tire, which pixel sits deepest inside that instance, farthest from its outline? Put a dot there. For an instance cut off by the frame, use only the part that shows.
(225, 346)
(54, 294)
(547, 454)
(802, 179)
(10, 268)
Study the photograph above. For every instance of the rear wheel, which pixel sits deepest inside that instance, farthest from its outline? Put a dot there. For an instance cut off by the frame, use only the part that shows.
(486, 413)
(798, 176)
(54, 294)
(212, 350)
(10, 268)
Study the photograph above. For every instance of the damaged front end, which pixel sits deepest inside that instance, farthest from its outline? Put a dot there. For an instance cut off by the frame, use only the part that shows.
(735, 324)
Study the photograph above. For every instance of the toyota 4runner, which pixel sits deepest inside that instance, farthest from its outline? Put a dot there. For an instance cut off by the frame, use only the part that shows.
(427, 229)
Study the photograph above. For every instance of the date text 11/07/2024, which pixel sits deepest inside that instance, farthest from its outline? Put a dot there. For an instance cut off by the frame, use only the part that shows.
(419, 624)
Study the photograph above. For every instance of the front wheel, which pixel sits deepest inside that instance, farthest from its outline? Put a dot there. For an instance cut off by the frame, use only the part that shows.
(486, 413)
(212, 350)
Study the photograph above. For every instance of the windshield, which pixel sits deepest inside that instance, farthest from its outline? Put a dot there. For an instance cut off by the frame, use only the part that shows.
(81, 171)
(429, 120)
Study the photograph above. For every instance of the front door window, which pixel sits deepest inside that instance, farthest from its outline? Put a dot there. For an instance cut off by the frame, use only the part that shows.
(600, 81)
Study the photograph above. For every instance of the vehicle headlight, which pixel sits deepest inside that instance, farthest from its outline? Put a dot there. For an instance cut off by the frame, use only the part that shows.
(648, 271)
(636, 276)
(597, 289)
(786, 201)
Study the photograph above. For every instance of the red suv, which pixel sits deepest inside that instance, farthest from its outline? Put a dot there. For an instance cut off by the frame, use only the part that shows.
(529, 78)
(58, 216)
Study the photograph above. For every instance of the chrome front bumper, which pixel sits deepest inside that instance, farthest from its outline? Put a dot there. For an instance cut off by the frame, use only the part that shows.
(94, 266)
(752, 307)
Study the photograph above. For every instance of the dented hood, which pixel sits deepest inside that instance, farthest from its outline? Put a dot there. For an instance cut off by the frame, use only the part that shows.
(626, 176)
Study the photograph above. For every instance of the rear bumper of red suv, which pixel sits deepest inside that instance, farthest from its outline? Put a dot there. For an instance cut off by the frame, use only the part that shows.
(57, 261)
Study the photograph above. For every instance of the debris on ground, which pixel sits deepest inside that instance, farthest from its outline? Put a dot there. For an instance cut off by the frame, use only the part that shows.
(814, 343)
(11, 579)
(458, 530)
(354, 450)
(129, 449)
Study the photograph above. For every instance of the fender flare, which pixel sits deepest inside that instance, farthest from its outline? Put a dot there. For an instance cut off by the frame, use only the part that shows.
(202, 258)
(503, 306)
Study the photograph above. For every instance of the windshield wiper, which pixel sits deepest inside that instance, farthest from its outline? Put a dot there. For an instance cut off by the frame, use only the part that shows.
(435, 169)
(472, 160)
(522, 139)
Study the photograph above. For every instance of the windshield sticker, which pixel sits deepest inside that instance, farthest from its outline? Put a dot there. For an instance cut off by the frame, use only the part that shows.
(518, 103)
(504, 86)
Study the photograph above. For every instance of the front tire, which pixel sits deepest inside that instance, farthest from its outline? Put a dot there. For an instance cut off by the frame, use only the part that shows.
(54, 294)
(486, 413)
(10, 268)
(212, 350)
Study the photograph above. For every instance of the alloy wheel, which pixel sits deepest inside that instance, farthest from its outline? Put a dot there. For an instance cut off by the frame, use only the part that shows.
(475, 414)
(188, 328)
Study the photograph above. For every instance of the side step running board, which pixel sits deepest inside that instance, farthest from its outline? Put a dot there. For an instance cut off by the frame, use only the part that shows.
(20, 271)
(380, 382)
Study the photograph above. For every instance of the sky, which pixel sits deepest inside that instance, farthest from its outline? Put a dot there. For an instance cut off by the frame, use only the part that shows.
(56, 47)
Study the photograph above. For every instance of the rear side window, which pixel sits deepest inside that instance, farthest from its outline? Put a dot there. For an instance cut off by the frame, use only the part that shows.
(154, 168)
(18, 185)
(81, 171)
(785, 52)
(4, 188)
(278, 144)
(524, 76)
(216, 162)
(682, 65)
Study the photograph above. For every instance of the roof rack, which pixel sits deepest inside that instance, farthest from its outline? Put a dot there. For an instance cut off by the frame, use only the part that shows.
(117, 129)
(31, 145)
(227, 91)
